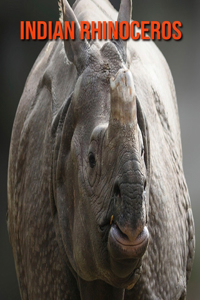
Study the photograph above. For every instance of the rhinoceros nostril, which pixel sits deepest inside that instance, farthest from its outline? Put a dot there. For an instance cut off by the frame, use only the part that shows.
(116, 191)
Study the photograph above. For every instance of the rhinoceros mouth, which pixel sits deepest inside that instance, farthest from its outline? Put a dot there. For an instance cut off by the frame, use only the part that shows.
(125, 254)
(121, 248)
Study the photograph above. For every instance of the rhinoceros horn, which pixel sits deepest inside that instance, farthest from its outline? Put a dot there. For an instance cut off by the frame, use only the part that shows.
(123, 98)
(77, 49)
(125, 13)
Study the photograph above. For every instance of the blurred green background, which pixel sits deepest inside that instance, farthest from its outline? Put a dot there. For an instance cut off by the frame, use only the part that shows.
(17, 58)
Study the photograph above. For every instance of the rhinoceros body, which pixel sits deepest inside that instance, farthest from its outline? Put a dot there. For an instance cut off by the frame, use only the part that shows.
(98, 206)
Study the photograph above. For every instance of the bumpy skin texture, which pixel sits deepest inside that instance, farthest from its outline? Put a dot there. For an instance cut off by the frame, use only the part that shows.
(55, 203)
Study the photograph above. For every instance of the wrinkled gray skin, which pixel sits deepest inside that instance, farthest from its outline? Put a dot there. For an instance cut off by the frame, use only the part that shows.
(95, 172)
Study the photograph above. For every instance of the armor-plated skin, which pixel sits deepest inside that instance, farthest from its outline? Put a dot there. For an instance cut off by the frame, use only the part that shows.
(98, 206)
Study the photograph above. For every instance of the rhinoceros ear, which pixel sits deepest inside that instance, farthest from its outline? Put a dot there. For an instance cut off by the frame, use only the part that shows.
(77, 50)
(125, 13)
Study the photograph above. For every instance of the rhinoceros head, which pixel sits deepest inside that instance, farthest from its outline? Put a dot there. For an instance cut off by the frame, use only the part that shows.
(100, 165)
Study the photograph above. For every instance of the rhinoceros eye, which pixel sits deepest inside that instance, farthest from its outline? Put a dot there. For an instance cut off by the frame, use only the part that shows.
(92, 160)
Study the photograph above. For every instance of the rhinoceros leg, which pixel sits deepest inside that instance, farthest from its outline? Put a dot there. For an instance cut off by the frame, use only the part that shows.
(99, 290)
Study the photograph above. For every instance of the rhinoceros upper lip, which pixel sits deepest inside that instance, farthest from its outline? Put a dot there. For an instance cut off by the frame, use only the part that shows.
(122, 248)
(121, 238)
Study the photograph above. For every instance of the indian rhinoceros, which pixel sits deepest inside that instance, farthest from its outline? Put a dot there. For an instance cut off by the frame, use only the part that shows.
(98, 206)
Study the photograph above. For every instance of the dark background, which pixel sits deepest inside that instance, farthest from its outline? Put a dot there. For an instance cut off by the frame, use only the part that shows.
(17, 58)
